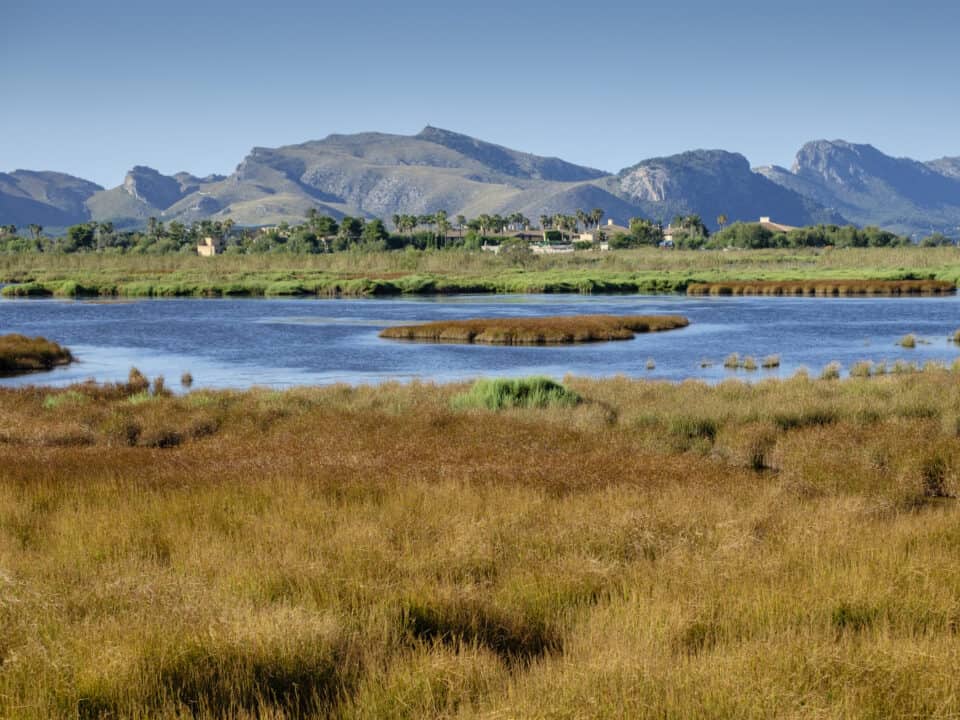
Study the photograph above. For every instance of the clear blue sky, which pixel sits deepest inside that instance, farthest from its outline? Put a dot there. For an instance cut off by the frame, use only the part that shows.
(94, 87)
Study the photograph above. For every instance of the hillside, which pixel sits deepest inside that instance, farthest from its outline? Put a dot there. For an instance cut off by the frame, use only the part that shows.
(711, 183)
(44, 198)
(871, 188)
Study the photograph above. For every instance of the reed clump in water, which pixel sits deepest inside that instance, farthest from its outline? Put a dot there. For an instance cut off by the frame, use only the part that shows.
(378, 552)
(908, 341)
(22, 354)
(563, 329)
(823, 287)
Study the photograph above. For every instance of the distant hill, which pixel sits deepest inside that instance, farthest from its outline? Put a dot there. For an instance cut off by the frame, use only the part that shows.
(871, 188)
(378, 175)
(44, 198)
(710, 183)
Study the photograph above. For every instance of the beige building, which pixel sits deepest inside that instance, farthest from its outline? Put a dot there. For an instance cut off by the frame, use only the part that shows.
(767, 224)
(606, 231)
(209, 246)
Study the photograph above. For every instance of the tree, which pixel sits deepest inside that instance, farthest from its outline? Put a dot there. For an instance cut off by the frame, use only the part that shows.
(349, 232)
(582, 218)
(35, 230)
(80, 237)
(721, 220)
(596, 215)
(374, 232)
(443, 226)
(544, 222)
(644, 232)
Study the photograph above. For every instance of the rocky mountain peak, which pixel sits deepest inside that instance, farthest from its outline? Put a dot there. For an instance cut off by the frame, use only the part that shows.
(148, 185)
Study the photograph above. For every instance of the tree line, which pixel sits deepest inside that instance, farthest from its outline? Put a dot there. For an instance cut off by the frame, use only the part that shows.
(323, 234)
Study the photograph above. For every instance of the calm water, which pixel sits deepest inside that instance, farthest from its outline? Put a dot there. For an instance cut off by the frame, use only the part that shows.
(243, 342)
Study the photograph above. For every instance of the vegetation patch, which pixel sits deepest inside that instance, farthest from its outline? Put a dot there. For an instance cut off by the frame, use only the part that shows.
(356, 552)
(501, 394)
(22, 354)
(823, 287)
(559, 330)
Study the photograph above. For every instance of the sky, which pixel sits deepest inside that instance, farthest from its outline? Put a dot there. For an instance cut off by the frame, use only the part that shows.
(92, 88)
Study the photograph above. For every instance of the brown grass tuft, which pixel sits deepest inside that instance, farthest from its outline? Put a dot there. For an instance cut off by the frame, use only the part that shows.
(22, 354)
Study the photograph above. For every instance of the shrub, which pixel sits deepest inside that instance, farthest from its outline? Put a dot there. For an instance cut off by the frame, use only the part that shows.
(137, 382)
(732, 361)
(186, 380)
(770, 362)
(831, 371)
(749, 363)
(500, 394)
(687, 432)
(908, 341)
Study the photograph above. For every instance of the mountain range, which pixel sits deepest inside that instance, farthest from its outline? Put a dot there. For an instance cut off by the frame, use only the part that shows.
(379, 175)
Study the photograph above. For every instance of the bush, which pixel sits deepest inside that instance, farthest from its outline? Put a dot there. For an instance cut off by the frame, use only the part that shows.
(500, 394)
(831, 371)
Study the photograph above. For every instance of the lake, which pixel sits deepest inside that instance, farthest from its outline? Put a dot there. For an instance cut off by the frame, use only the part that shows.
(237, 343)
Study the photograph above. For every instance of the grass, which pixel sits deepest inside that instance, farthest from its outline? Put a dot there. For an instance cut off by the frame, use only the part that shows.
(741, 550)
(22, 354)
(563, 329)
(360, 274)
(502, 394)
(824, 287)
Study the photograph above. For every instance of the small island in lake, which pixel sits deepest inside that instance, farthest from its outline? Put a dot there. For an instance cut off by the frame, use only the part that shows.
(22, 354)
(559, 330)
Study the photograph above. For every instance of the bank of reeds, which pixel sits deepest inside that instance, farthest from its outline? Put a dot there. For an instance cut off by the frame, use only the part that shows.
(22, 354)
(561, 329)
(743, 550)
(414, 272)
(839, 287)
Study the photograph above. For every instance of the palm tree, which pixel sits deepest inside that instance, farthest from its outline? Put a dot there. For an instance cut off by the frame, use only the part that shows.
(35, 230)
(721, 220)
(596, 215)
(582, 218)
(461, 221)
(440, 220)
(544, 222)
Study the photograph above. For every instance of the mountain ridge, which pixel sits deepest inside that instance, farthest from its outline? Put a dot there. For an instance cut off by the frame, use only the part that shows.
(381, 174)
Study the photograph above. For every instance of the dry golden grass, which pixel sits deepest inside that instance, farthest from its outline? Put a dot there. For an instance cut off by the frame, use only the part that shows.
(786, 548)
(562, 329)
(20, 354)
(824, 287)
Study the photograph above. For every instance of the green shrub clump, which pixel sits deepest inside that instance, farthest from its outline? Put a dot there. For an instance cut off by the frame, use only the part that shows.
(501, 393)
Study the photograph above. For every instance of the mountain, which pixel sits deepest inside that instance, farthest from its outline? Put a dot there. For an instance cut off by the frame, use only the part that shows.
(147, 193)
(374, 174)
(871, 188)
(710, 183)
(948, 166)
(45, 198)
(378, 174)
